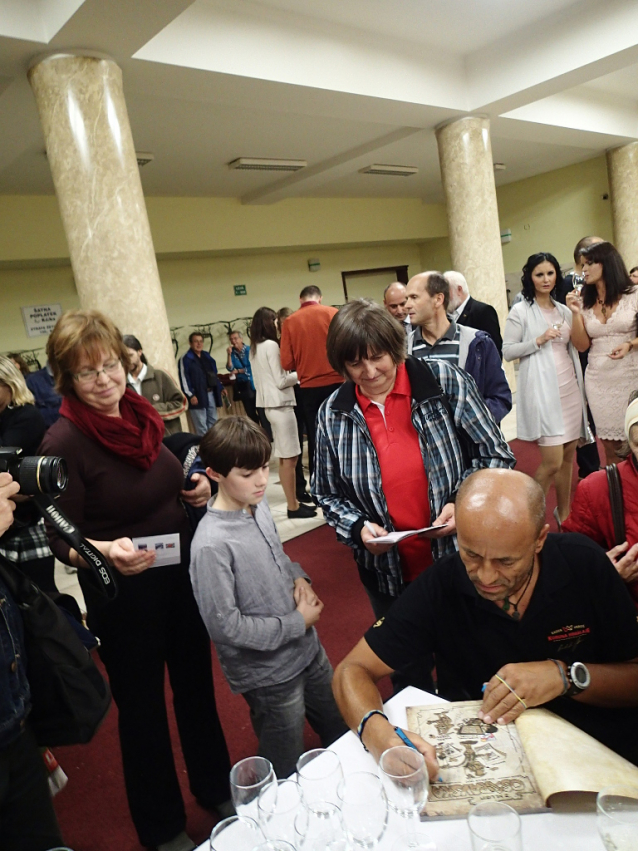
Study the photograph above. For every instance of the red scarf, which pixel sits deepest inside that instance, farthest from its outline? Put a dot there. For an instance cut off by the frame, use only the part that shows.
(135, 436)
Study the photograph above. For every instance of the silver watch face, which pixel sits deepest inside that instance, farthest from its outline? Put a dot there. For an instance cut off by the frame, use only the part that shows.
(580, 675)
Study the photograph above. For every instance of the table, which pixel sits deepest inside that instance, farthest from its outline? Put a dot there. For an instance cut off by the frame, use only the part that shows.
(541, 832)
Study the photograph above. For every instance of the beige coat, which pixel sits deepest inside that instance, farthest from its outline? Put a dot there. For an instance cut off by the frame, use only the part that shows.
(273, 385)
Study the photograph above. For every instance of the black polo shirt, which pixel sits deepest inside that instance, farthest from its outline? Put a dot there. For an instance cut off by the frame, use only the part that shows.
(580, 610)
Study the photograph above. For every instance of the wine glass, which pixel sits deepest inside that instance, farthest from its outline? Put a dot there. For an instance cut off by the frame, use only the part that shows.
(557, 325)
(364, 808)
(279, 805)
(318, 827)
(617, 817)
(236, 834)
(274, 845)
(247, 778)
(319, 774)
(405, 779)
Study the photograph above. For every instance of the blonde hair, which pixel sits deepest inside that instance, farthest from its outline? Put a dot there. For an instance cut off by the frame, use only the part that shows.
(12, 378)
(82, 332)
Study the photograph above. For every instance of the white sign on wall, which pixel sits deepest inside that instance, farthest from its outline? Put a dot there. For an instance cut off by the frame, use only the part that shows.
(40, 319)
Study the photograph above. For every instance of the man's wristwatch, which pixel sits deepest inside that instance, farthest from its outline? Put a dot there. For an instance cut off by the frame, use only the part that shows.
(578, 677)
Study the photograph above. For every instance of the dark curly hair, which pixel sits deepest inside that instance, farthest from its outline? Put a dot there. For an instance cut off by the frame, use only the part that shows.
(534, 260)
(615, 275)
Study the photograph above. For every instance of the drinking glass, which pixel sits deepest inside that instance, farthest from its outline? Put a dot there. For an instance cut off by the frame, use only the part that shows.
(405, 779)
(364, 808)
(557, 325)
(274, 845)
(279, 805)
(494, 827)
(236, 834)
(247, 778)
(318, 827)
(617, 817)
(414, 841)
(319, 774)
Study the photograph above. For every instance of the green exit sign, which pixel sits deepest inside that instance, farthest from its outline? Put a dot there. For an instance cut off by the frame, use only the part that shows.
(240, 289)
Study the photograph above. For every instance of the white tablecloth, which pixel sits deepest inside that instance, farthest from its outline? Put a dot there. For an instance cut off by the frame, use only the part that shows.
(541, 832)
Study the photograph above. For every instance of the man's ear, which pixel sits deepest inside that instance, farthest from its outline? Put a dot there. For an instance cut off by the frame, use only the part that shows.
(542, 537)
(217, 477)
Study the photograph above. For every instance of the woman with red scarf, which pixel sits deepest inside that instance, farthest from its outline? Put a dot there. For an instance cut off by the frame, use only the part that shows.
(124, 484)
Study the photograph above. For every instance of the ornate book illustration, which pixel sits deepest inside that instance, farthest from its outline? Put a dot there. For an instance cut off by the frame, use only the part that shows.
(527, 764)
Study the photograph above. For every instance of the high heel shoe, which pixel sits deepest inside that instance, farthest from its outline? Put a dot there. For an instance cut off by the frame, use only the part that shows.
(557, 519)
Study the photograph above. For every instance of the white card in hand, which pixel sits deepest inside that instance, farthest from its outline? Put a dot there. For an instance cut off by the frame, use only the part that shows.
(166, 547)
(395, 537)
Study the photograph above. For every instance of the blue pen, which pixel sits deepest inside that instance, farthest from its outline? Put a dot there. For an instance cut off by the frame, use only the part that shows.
(404, 738)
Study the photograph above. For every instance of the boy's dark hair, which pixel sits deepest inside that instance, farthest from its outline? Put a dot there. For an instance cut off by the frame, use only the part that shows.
(234, 442)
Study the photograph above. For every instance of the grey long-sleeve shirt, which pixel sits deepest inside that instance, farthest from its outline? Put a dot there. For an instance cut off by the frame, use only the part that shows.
(243, 583)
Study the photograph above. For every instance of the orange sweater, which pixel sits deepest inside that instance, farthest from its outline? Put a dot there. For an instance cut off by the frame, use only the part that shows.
(303, 345)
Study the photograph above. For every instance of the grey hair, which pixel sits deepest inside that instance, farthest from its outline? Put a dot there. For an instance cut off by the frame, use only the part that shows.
(456, 279)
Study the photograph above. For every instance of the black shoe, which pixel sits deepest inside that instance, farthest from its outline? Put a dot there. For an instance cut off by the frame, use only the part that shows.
(304, 496)
(302, 511)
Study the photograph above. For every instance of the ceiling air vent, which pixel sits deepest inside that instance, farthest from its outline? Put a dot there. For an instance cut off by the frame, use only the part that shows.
(392, 170)
(261, 164)
(144, 158)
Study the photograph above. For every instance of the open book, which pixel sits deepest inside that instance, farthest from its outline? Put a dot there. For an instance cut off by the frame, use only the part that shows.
(534, 762)
(395, 537)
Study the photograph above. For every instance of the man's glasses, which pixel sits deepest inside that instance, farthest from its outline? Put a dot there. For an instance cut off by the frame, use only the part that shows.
(89, 376)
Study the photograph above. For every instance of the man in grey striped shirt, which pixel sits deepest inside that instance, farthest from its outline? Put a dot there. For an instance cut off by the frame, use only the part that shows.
(434, 335)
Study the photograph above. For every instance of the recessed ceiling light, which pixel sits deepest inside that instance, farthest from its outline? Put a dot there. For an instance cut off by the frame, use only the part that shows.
(263, 164)
(499, 166)
(391, 170)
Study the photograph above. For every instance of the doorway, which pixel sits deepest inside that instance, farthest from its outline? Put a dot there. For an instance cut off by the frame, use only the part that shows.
(370, 283)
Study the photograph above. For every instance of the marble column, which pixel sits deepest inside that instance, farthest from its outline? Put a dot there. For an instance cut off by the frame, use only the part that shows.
(92, 158)
(467, 173)
(622, 168)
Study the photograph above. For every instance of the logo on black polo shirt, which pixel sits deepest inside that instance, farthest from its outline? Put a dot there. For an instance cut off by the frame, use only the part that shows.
(569, 636)
(378, 623)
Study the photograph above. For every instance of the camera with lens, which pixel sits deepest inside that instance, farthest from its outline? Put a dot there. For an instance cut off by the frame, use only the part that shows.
(34, 473)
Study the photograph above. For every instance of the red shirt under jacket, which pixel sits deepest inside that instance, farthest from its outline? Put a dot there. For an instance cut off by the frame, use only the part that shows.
(591, 510)
(403, 476)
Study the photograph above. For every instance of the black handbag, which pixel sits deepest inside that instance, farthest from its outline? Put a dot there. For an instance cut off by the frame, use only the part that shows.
(69, 695)
(616, 502)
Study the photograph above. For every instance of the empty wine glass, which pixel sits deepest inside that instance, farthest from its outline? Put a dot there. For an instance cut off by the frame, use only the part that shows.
(578, 282)
(364, 808)
(405, 779)
(236, 834)
(318, 827)
(319, 774)
(617, 817)
(247, 778)
(278, 806)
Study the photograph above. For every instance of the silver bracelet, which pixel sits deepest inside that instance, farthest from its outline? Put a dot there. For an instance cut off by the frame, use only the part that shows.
(562, 676)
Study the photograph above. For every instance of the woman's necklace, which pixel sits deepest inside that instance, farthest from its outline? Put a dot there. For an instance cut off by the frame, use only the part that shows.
(507, 602)
(603, 307)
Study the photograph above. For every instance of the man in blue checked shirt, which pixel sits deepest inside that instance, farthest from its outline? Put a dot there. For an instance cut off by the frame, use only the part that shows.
(238, 364)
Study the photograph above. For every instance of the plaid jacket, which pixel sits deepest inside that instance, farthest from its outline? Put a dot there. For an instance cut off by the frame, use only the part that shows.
(347, 477)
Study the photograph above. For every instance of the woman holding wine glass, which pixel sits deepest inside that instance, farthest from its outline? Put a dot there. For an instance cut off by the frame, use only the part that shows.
(550, 402)
(604, 321)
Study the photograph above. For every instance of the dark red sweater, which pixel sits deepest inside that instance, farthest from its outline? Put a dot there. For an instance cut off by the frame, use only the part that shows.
(591, 511)
(109, 498)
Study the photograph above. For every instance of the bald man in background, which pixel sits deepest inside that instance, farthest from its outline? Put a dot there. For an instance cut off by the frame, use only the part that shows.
(395, 302)
(539, 619)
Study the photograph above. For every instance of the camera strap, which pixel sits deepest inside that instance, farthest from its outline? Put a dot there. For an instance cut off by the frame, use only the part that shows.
(101, 570)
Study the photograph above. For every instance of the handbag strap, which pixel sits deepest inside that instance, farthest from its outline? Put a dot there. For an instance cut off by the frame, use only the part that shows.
(616, 503)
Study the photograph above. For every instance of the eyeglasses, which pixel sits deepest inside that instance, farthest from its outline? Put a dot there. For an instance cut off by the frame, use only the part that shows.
(89, 376)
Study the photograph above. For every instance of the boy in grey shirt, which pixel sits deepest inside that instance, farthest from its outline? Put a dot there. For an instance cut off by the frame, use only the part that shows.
(258, 605)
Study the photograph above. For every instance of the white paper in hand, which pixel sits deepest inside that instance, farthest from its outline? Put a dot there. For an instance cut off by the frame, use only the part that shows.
(395, 537)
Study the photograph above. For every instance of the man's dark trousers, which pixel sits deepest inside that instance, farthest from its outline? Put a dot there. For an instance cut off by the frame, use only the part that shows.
(310, 399)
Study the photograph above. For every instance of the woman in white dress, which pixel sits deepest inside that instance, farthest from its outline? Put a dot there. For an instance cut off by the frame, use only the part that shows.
(605, 323)
(550, 407)
(275, 394)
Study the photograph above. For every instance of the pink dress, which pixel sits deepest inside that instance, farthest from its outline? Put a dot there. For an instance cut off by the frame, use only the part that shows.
(608, 382)
(570, 399)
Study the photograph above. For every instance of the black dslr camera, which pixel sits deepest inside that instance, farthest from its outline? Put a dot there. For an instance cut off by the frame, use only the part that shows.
(34, 473)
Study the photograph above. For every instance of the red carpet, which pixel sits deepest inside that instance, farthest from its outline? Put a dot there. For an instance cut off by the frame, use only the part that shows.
(92, 808)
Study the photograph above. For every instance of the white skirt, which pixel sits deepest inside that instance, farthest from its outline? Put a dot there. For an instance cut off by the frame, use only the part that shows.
(284, 431)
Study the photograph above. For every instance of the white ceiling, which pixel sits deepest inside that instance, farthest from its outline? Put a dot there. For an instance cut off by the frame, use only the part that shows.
(340, 85)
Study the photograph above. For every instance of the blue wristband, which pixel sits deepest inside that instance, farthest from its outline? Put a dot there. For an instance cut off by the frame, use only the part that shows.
(365, 720)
